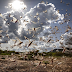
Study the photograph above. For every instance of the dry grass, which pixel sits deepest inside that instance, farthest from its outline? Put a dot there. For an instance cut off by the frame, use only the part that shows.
(60, 64)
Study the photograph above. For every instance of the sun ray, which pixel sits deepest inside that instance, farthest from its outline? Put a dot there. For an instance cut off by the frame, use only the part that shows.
(17, 5)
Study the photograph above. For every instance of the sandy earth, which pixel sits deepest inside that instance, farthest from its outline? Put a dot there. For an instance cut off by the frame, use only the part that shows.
(60, 64)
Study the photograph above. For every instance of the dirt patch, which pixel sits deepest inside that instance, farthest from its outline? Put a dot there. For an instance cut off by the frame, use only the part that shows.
(59, 65)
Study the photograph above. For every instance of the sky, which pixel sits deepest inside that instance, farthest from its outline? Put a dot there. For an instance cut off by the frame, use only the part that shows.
(47, 23)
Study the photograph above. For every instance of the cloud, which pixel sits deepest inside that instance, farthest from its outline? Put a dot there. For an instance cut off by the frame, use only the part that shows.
(66, 40)
(18, 24)
(46, 14)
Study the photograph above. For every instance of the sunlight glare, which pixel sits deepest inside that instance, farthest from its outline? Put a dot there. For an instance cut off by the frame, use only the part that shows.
(18, 5)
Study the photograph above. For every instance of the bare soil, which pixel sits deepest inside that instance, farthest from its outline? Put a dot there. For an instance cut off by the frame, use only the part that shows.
(60, 64)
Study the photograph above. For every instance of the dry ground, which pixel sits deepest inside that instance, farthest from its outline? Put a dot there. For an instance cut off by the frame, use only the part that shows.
(60, 64)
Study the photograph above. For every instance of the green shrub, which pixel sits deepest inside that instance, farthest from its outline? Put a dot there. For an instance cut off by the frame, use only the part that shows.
(5, 54)
(18, 56)
(40, 54)
(21, 59)
(30, 57)
(34, 65)
(45, 62)
(58, 54)
(16, 52)
(3, 58)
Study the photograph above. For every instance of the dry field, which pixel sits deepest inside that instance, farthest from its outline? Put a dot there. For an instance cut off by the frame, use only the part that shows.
(13, 64)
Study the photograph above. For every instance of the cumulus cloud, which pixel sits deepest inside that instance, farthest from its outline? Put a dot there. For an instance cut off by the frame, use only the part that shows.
(66, 40)
(46, 14)
(18, 24)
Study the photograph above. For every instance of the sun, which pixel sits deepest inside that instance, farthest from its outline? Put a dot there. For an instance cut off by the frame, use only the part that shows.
(18, 5)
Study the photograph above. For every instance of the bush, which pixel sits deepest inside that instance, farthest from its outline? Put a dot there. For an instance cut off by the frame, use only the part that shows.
(18, 56)
(16, 52)
(30, 57)
(5, 54)
(58, 54)
(45, 62)
(21, 58)
(34, 65)
(3, 58)
(40, 54)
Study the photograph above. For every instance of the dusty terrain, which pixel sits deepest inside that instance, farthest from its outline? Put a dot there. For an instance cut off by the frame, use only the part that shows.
(13, 64)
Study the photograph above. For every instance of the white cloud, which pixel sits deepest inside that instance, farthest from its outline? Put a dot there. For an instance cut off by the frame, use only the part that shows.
(67, 39)
(47, 14)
